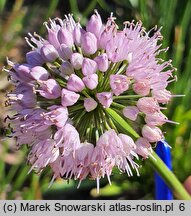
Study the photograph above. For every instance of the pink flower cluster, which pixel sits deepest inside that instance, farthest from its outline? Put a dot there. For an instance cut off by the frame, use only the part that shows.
(68, 82)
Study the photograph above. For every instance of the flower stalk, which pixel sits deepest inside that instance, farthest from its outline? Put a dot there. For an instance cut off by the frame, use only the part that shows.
(126, 97)
(169, 177)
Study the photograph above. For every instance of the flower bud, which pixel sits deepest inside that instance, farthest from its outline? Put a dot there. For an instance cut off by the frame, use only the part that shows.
(76, 60)
(102, 62)
(131, 112)
(69, 98)
(77, 34)
(34, 58)
(66, 68)
(39, 73)
(65, 37)
(65, 52)
(157, 118)
(152, 133)
(143, 147)
(75, 83)
(50, 89)
(162, 96)
(49, 53)
(142, 87)
(91, 81)
(148, 105)
(89, 104)
(88, 66)
(94, 25)
(52, 35)
(89, 43)
(105, 98)
(119, 83)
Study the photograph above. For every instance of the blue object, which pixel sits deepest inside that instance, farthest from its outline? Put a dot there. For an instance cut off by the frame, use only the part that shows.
(162, 191)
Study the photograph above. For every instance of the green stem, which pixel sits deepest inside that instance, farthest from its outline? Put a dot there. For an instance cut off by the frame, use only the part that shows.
(123, 68)
(111, 123)
(117, 105)
(157, 163)
(79, 49)
(169, 177)
(104, 122)
(100, 79)
(76, 107)
(85, 93)
(61, 82)
(116, 117)
(56, 64)
(106, 75)
(100, 120)
(126, 97)
(80, 116)
(113, 70)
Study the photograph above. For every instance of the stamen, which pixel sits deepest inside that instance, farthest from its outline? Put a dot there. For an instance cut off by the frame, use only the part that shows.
(128, 169)
(79, 183)
(162, 108)
(6, 70)
(32, 167)
(178, 95)
(98, 186)
(108, 177)
(10, 63)
(172, 122)
(29, 43)
(52, 181)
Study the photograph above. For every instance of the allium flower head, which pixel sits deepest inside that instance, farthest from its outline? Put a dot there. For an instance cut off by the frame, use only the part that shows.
(69, 84)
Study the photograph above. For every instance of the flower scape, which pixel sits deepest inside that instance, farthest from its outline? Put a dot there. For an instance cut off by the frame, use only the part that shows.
(88, 100)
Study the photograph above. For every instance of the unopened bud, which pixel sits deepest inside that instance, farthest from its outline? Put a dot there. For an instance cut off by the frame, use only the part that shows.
(66, 68)
(34, 58)
(88, 66)
(105, 98)
(152, 133)
(76, 60)
(39, 73)
(89, 43)
(94, 25)
(102, 62)
(69, 98)
(49, 53)
(91, 81)
(65, 37)
(131, 112)
(65, 52)
(89, 104)
(75, 83)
